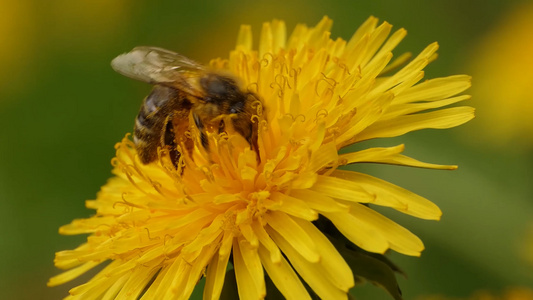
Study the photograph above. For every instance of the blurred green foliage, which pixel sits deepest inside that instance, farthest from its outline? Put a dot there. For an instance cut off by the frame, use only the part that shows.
(62, 109)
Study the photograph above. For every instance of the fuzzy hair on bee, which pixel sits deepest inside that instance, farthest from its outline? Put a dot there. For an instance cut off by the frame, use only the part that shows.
(184, 90)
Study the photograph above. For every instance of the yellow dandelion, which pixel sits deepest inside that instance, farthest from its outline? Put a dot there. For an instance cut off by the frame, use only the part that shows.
(512, 293)
(526, 247)
(162, 229)
(503, 74)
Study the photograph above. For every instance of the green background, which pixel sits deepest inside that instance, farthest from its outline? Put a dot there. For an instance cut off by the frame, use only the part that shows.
(62, 109)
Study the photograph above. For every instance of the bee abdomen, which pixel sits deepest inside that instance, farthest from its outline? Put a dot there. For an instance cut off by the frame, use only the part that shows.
(146, 151)
(150, 122)
(154, 106)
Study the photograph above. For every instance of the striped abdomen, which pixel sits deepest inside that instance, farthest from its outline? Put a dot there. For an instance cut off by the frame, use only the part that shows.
(151, 130)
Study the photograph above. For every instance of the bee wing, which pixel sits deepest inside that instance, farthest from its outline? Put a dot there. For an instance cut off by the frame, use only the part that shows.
(158, 66)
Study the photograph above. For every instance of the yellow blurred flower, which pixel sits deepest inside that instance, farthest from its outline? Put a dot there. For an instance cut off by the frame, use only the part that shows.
(163, 229)
(503, 72)
(17, 37)
(526, 248)
(516, 293)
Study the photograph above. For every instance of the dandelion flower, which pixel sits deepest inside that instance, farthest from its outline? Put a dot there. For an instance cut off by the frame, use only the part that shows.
(504, 77)
(511, 293)
(162, 229)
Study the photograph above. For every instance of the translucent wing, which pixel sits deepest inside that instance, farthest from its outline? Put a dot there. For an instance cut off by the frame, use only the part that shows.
(158, 66)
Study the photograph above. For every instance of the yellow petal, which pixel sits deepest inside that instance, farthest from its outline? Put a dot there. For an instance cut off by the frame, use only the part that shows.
(280, 35)
(418, 63)
(136, 283)
(283, 276)
(99, 283)
(112, 292)
(248, 271)
(216, 273)
(390, 155)
(80, 226)
(392, 41)
(183, 272)
(294, 234)
(400, 239)
(184, 288)
(435, 89)
(408, 75)
(324, 156)
(341, 189)
(410, 108)
(72, 273)
(267, 242)
(93, 287)
(358, 232)
(150, 292)
(364, 119)
(366, 28)
(378, 36)
(334, 265)
(398, 62)
(316, 34)
(440, 119)
(248, 234)
(318, 201)
(266, 40)
(172, 272)
(294, 206)
(216, 270)
(206, 235)
(413, 204)
(244, 38)
(312, 273)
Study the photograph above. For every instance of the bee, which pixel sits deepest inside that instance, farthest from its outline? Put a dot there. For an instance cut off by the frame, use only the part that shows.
(184, 90)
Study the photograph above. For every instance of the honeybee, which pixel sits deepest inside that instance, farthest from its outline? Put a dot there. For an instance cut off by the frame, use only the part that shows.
(184, 90)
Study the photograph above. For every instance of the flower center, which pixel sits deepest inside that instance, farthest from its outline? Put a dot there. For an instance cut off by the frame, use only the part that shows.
(257, 203)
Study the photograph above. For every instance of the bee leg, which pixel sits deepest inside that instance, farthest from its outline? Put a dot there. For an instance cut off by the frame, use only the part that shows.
(169, 141)
(252, 140)
(203, 136)
(180, 122)
(249, 132)
(221, 127)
